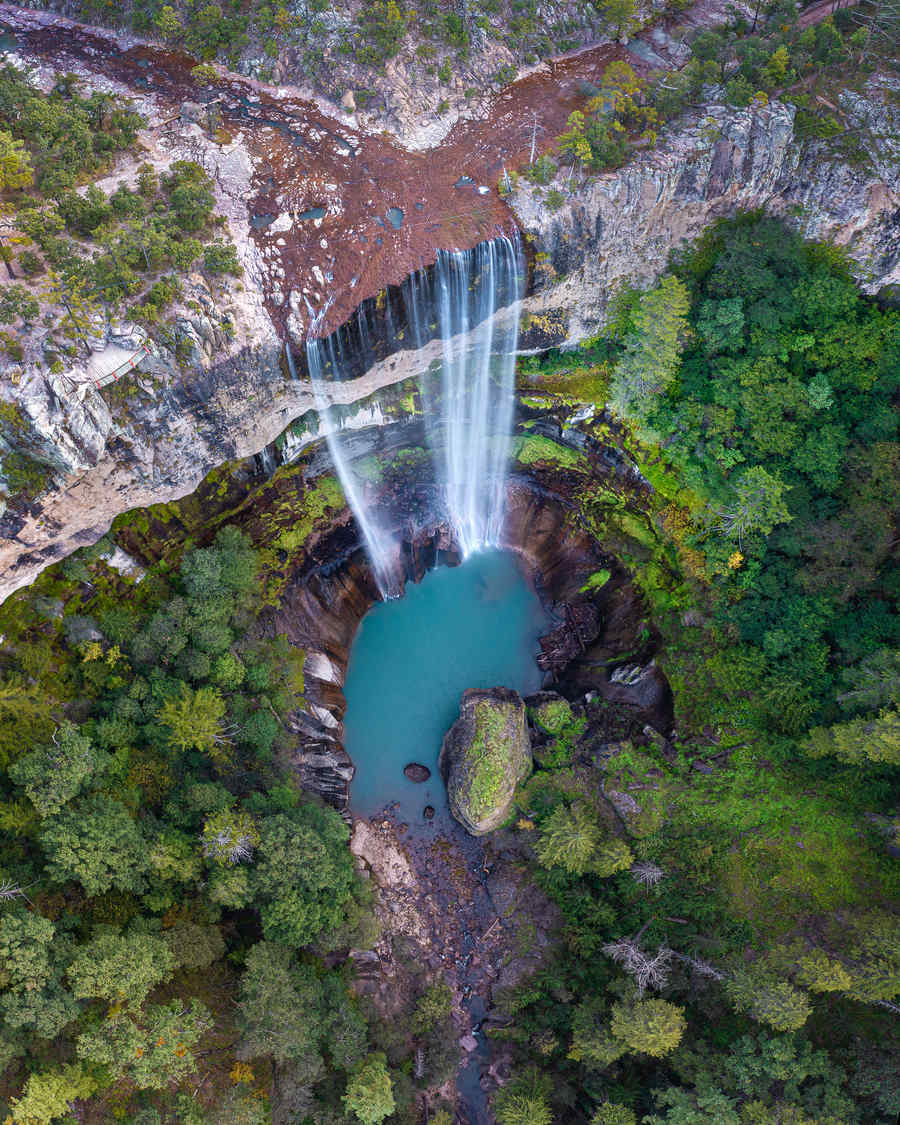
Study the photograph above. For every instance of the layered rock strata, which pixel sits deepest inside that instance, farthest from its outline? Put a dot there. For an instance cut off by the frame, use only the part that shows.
(621, 227)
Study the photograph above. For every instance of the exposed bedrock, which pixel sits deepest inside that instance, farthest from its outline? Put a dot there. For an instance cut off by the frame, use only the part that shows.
(328, 595)
(153, 437)
(622, 226)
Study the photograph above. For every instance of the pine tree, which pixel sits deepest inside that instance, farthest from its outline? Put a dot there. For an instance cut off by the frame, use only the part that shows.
(48, 1095)
(875, 739)
(652, 1027)
(768, 1000)
(195, 720)
(652, 348)
(15, 163)
(569, 838)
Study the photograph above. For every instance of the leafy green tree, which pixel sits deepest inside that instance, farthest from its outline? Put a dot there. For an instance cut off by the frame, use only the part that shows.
(280, 1009)
(15, 164)
(193, 945)
(153, 1048)
(652, 347)
(652, 1027)
(303, 875)
(707, 1106)
(768, 1000)
(33, 997)
(720, 324)
(230, 565)
(346, 1030)
(48, 1095)
(26, 940)
(370, 1094)
(53, 774)
(120, 968)
(432, 1008)
(44, 1011)
(96, 842)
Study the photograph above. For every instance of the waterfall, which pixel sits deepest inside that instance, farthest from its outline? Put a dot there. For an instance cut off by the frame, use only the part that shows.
(382, 551)
(471, 427)
(471, 299)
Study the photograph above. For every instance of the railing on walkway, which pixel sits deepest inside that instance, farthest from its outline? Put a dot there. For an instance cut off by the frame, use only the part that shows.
(124, 368)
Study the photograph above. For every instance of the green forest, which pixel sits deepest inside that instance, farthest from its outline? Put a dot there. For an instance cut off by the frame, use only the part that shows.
(745, 966)
(175, 913)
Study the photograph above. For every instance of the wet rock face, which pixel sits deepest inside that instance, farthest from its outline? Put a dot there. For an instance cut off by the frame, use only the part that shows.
(484, 756)
(416, 772)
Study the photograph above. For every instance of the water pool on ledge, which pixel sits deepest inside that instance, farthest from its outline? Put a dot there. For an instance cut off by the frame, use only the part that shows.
(472, 626)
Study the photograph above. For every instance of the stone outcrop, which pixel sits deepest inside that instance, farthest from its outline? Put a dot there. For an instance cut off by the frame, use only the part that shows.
(622, 226)
(484, 756)
(228, 391)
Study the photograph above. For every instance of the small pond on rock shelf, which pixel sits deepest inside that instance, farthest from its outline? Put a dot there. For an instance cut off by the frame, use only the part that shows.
(472, 626)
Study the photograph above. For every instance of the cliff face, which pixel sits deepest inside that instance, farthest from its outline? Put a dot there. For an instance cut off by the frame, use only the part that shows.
(154, 435)
(621, 227)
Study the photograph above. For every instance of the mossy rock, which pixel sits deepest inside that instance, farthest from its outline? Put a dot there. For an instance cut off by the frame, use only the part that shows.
(484, 756)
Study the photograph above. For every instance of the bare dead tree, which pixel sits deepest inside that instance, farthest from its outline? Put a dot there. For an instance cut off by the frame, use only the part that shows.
(646, 873)
(233, 848)
(10, 890)
(701, 968)
(650, 970)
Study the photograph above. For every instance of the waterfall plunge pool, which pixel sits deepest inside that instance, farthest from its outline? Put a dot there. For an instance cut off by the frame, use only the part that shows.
(472, 626)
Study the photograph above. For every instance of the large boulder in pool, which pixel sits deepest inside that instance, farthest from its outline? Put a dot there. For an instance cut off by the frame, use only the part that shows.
(484, 756)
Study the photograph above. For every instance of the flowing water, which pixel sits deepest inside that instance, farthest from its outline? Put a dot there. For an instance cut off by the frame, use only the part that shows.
(470, 421)
(380, 545)
(471, 626)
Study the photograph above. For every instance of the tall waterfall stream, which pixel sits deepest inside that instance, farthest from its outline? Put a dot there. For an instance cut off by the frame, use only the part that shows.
(473, 297)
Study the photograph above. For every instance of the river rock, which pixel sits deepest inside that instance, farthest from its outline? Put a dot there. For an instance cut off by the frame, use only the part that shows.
(484, 756)
(416, 772)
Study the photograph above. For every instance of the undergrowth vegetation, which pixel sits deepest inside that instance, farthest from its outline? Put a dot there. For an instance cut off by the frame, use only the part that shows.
(743, 964)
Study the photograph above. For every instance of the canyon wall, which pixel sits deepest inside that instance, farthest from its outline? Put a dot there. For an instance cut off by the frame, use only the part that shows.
(621, 227)
(154, 435)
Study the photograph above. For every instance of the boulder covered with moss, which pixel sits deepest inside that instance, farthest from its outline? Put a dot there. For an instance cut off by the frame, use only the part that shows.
(484, 756)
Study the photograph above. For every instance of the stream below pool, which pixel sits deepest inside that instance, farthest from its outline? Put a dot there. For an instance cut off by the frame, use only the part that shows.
(471, 626)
